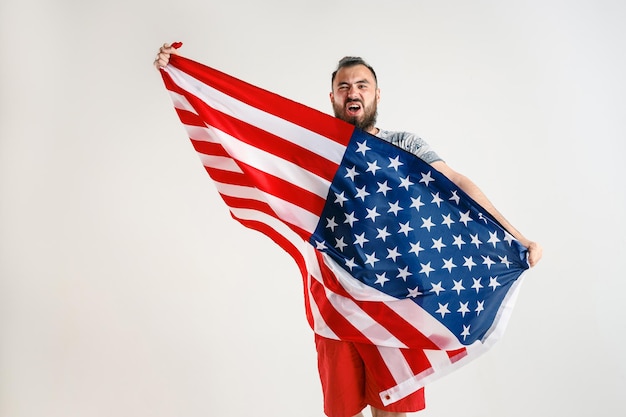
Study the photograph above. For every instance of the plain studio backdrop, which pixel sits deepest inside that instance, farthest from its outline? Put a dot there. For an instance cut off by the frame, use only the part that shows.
(127, 290)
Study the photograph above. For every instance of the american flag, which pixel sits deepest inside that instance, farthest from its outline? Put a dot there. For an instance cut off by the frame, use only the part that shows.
(391, 252)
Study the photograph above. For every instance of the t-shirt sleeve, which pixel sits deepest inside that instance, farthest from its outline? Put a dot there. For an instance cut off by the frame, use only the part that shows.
(412, 143)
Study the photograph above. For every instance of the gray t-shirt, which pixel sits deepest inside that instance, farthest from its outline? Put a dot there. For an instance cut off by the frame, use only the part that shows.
(412, 143)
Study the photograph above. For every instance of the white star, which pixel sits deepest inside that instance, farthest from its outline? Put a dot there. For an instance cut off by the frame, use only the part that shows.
(371, 258)
(458, 286)
(436, 199)
(493, 238)
(447, 220)
(465, 332)
(437, 288)
(393, 253)
(372, 214)
(360, 239)
(394, 163)
(508, 237)
(482, 217)
(331, 224)
(487, 261)
(477, 285)
(340, 198)
(372, 167)
(493, 283)
(394, 207)
(351, 173)
(480, 307)
(417, 202)
(404, 273)
(443, 309)
(381, 279)
(320, 245)
(438, 244)
(405, 228)
(350, 219)
(405, 182)
(414, 292)
(455, 197)
(447, 264)
(415, 248)
(469, 262)
(465, 218)
(427, 223)
(426, 269)
(426, 178)
(463, 308)
(383, 188)
(363, 147)
(382, 233)
(340, 244)
(504, 260)
(350, 263)
(361, 193)
(475, 240)
(458, 240)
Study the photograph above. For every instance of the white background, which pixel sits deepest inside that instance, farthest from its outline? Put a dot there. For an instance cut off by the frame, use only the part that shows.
(125, 288)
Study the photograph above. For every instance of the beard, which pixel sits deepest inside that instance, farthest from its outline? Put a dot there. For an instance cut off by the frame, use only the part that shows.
(366, 122)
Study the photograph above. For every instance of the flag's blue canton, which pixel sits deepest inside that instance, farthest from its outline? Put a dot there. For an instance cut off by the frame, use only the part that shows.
(398, 225)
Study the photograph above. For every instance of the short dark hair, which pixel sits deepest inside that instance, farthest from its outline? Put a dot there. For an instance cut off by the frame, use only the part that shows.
(351, 61)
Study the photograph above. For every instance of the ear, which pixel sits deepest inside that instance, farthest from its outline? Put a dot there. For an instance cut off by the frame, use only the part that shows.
(377, 95)
(332, 97)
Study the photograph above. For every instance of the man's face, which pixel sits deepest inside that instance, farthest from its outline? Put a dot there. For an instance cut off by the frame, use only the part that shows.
(355, 97)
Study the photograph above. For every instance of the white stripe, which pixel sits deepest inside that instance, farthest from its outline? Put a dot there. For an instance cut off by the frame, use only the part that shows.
(432, 328)
(201, 134)
(181, 102)
(219, 162)
(370, 328)
(291, 132)
(396, 363)
(273, 165)
(259, 159)
(272, 222)
(287, 211)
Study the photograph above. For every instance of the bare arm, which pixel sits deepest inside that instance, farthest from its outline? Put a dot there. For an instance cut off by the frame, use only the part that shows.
(535, 251)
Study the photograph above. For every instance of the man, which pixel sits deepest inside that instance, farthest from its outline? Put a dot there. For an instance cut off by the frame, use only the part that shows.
(350, 376)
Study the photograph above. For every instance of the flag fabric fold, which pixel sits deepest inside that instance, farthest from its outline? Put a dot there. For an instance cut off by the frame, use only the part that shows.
(391, 252)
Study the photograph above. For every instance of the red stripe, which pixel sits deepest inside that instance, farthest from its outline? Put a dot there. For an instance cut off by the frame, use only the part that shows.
(333, 318)
(311, 119)
(264, 140)
(244, 203)
(397, 325)
(189, 118)
(209, 148)
(417, 360)
(285, 190)
(229, 177)
(456, 355)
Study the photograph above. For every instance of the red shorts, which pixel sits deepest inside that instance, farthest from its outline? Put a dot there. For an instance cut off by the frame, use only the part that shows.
(350, 383)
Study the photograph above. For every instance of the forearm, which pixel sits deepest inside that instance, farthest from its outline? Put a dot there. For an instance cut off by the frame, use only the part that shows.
(471, 189)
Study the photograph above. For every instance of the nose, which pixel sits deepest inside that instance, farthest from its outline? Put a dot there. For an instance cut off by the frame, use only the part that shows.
(353, 92)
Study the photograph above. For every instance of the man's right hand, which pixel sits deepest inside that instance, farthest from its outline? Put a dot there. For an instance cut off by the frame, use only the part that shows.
(163, 56)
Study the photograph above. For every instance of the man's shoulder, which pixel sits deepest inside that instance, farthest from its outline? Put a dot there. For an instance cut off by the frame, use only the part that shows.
(395, 134)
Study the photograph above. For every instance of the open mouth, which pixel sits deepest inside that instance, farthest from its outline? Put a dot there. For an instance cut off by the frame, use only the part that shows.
(353, 107)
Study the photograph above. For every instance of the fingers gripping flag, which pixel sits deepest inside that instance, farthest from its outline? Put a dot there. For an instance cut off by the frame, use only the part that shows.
(391, 252)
